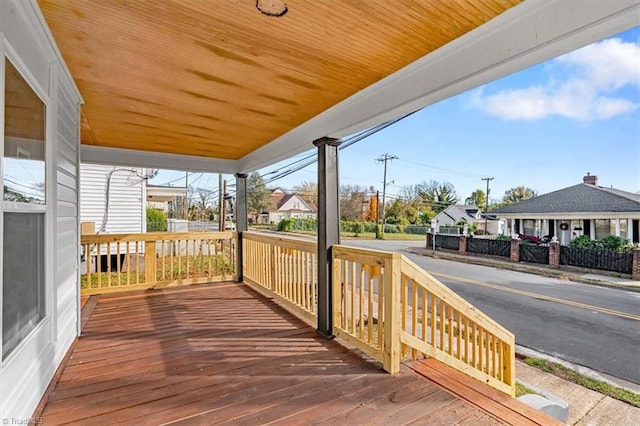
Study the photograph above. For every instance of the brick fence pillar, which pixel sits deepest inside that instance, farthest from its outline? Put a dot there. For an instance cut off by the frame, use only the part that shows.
(514, 253)
(462, 247)
(554, 254)
(429, 240)
(635, 268)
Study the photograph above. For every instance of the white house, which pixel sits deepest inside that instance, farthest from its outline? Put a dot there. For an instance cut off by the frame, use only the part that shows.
(289, 206)
(113, 198)
(469, 213)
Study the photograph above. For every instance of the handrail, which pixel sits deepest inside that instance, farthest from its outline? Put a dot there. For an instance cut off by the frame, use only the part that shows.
(283, 267)
(119, 262)
(384, 305)
(437, 322)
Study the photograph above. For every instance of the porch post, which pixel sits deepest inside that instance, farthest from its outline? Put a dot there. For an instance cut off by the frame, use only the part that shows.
(241, 218)
(328, 229)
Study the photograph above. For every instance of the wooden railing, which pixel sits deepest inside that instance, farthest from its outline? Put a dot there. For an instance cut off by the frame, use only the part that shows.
(364, 298)
(438, 323)
(284, 266)
(117, 262)
(384, 305)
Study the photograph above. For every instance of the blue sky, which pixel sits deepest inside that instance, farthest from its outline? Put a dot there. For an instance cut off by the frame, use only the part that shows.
(544, 127)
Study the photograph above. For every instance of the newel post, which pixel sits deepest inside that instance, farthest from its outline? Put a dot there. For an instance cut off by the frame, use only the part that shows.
(391, 321)
(554, 254)
(242, 224)
(635, 268)
(328, 229)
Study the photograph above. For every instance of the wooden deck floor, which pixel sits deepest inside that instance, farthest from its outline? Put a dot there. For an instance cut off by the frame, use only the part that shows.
(222, 353)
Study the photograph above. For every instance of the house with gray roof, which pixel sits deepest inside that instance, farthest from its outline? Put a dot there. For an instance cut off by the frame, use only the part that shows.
(582, 209)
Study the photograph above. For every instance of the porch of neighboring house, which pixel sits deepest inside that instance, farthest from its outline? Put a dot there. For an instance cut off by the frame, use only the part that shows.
(248, 352)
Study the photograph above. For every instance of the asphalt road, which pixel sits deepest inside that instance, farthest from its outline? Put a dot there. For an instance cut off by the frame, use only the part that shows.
(592, 326)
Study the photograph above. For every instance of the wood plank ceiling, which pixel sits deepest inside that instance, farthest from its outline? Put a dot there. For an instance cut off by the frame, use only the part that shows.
(219, 79)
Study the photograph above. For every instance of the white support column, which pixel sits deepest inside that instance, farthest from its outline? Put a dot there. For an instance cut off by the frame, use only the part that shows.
(592, 229)
(630, 230)
(617, 225)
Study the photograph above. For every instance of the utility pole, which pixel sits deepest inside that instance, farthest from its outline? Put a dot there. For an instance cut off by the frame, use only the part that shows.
(223, 213)
(185, 208)
(220, 201)
(384, 159)
(486, 207)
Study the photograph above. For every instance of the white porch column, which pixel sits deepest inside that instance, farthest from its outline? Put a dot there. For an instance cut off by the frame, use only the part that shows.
(630, 230)
(617, 224)
(592, 229)
(328, 229)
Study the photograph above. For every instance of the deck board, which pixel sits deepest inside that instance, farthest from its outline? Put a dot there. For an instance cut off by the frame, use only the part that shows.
(222, 353)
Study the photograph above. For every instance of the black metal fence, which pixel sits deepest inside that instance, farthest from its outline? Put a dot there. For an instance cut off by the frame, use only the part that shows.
(606, 260)
(534, 254)
(490, 247)
(448, 242)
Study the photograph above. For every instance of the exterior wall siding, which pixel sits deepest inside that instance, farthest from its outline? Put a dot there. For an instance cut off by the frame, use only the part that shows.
(127, 199)
(25, 376)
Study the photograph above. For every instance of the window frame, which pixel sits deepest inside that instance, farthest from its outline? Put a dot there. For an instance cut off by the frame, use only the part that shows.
(43, 334)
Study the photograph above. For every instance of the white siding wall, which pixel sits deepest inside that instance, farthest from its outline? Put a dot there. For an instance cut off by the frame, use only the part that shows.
(25, 376)
(126, 212)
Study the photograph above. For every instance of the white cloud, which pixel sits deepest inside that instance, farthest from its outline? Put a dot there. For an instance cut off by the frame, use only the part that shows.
(581, 85)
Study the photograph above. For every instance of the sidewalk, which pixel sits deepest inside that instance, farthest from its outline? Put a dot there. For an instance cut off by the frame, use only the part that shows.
(586, 407)
(571, 274)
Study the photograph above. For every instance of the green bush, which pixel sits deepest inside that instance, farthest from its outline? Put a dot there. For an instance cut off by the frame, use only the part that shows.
(357, 228)
(286, 224)
(156, 220)
(503, 237)
(614, 243)
(583, 241)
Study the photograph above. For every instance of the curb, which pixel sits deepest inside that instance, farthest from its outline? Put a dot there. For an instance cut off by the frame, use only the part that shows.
(530, 269)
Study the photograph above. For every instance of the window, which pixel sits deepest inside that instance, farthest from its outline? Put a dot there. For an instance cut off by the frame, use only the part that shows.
(23, 178)
(604, 228)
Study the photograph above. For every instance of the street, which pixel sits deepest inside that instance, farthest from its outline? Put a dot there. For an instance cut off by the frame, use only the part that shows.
(592, 326)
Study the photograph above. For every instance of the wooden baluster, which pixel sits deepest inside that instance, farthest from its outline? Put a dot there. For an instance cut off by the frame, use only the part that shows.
(450, 329)
(441, 326)
(474, 344)
(370, 308)
(414, 314)
(150, 262)
(381, 311)
(119, 280)
(361, 283)
(424, 314)
(109, 265)
(487, 346)
(353, 298)
(459, 335)
(466, 336)
(433, 320)
(480, 365)
(99, 264)
(137, 256)
(88, 258)
(186, 259)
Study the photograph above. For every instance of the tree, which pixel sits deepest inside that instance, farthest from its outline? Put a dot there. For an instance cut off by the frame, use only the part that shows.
(258, 195)
(372, 211)
(477, 197)
(308, 191)
(517, 194)
(438, 196)
(352, 202)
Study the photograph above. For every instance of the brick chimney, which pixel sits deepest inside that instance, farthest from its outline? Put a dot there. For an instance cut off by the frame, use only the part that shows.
(590, 180)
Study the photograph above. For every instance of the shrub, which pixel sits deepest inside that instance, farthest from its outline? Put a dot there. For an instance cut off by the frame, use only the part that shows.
(614, 243)
(286, 224)
(583, 241)
(156, 220)
(503, 237)
(358, 228)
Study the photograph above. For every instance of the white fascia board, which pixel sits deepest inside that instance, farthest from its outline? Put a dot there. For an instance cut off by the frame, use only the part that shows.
(586, 215)
(527, 34)
(155, 160)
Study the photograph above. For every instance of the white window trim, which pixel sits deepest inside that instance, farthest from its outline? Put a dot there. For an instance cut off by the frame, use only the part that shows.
(43, 335)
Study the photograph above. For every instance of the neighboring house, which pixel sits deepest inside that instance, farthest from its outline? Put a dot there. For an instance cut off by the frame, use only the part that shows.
(285, 205)
(113, 198)
(170, 199)
(582, 209)
(469, 213)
